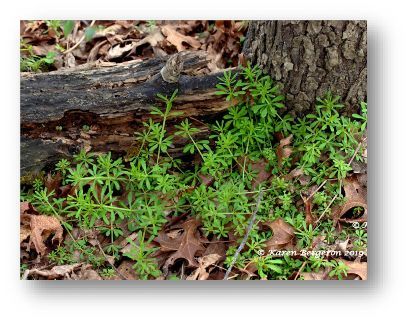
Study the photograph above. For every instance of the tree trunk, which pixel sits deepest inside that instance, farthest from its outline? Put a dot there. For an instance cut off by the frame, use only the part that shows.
(309, 58)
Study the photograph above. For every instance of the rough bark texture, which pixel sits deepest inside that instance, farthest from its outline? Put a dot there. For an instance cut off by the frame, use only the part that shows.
(310, 58)
(99, 109)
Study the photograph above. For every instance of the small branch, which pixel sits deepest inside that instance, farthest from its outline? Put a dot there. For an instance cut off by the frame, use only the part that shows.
(316, 190)
(79, 42)
(328, 206)
(356, 151)
(107, 260)
(243, 242)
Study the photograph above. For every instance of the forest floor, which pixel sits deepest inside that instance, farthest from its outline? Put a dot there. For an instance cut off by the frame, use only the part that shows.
(264, 196)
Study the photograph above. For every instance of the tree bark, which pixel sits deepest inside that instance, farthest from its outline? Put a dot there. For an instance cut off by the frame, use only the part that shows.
(99, 109)
(309, 58)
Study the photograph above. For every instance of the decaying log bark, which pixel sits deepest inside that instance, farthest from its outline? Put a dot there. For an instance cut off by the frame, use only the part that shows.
(100, 107)
(312, 57)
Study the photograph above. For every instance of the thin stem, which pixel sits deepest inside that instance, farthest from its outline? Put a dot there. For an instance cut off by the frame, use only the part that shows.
(195, 145)
(80, 40)
(244, 240)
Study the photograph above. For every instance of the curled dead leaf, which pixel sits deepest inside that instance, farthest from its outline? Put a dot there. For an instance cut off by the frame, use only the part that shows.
(284, 151)
(283, 235)
(314, 276)
(262, 175)
(126, 269)
(203, 263)
(185, 246)
(178, 40)
(41, 227)
(54, 273)
(355, 197)
(118, 51)
(310, 219)
(52, 183)
(356, 268)
(25, 232)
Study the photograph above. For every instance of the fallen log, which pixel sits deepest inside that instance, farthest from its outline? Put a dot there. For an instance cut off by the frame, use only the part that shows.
(99, 107)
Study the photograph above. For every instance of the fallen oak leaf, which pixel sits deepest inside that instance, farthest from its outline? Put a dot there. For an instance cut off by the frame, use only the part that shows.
(109, 31)
(154, 38)
(263, 174)
(41, 227)
(284, 151)
(283, 235)
(54, 273)
(118, 51)
(185, 246)
(316, 276)
(357, 268)
(25, 232)
(52, 183)
(259, 166)
(355, 196)
(177, 39)
(204, 262)
(25, 207)
(310, 219)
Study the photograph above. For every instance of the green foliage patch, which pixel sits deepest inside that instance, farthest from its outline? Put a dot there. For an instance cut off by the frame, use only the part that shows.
(242, 155)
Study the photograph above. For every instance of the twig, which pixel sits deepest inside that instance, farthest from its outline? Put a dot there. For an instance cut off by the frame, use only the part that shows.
(300, 270)
(316, 190)
(328, 206)
(243, 242)
(80, 40)
(107, 260)
(356, 151)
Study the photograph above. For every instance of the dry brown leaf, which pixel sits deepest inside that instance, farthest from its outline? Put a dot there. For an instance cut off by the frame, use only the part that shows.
(25, 207)
(355, 196)
(216, 247)
(55, 273)
(177, 39)
(262, 175)
(118, 51)
(90, 275)
(109, 31)
(310, 219)
(41, 227)
(342, 245)
(357, 268)
(314, 276)
(52, 183)
(206, 180)
(95, 50)
(284, 150)
(283, 235)
(25, 232)
(185, 246)
(153, 39)
(294, 173)
(126, 269)
(204, 262)
(43, 49)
